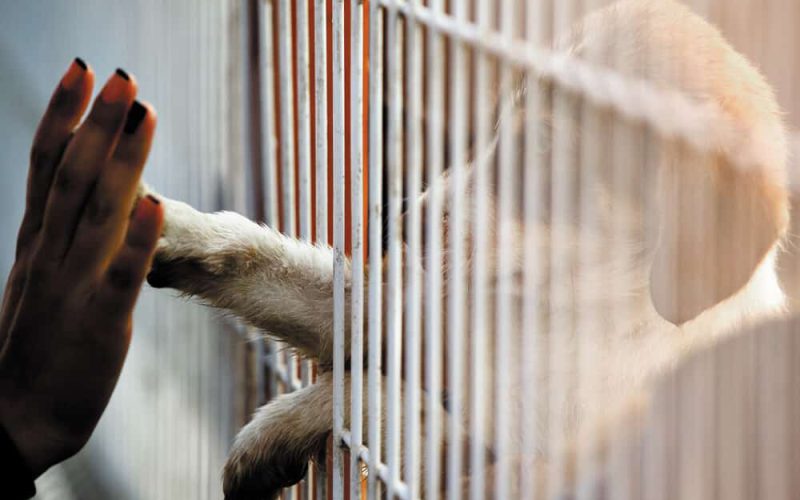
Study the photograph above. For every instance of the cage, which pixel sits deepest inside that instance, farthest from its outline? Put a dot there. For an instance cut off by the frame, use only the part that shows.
(502, 117)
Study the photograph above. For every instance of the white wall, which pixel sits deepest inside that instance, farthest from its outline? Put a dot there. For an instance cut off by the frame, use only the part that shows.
(169, 424)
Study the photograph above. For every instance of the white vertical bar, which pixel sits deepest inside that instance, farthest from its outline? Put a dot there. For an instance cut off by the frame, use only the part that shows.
(693, 407)
(303, 121)
(286, 134)
(587, 319)
(625, 167)
(659, 439)
(304, 166)
(375, 242)
(561, 256)
(339, 247)
(457, 281)
(413, 305)
(481, 174)
(357, 211)
(591, 133)
(394, 75)
(433, 276)
(304, 157)
(505, 314)
(655, 449)
(532, 199)
(321, 167)
(321, 112)
(269, 167)
(774, 481)
(747, 392)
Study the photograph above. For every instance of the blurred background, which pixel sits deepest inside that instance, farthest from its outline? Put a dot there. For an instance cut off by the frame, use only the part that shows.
(167, 430)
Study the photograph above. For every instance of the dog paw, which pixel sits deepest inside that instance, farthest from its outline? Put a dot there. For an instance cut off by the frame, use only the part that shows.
(188, 250)
(179, 273)
(256, 474)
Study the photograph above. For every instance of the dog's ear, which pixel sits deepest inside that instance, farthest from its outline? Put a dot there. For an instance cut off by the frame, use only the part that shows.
(718, 222)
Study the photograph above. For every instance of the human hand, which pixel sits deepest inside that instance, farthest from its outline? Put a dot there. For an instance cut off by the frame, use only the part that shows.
(65, 323)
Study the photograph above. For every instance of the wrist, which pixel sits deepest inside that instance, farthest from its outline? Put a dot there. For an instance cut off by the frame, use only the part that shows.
(18, 481)
(38, 445)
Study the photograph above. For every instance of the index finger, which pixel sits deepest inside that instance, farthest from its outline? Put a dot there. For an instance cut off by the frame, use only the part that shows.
(64, 112)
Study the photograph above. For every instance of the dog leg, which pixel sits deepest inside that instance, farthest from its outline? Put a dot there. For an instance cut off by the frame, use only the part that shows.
(272, 451)
(278, 284)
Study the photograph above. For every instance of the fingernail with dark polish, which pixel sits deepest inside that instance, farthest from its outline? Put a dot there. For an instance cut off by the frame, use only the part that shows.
(74, 74)
(118, 88)
(135, 116)
(153, 199)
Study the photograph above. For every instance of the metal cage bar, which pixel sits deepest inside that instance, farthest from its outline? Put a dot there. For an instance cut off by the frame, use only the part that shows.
(339, 278)
(433, 258)
(413, 257)
(456, 284)
(375, 324)
(394, 280)
(505, 324)
(481, 216)
(357, 229)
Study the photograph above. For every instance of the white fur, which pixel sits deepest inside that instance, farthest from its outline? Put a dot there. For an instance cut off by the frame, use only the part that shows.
(281, 285)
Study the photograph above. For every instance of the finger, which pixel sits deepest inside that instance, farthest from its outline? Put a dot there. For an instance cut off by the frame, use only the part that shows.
(86, 154)
(102, 225)
(14, 288)
(125, 275)
(67, 105)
